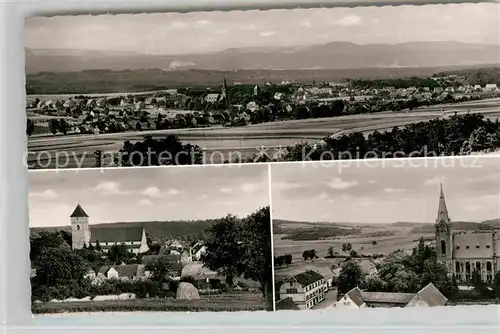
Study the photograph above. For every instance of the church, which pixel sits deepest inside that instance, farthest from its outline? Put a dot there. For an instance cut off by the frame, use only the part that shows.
(464, 253)
(82, 234)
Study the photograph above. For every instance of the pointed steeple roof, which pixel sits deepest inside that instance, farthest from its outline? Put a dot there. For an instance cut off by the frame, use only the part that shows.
(79, 212)
(442, 209)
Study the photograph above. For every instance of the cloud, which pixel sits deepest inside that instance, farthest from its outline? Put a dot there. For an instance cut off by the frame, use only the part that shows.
(152, 192)
(179, 25)
(434, 181)
(249, 187)
(146, 202)
(325, 198)
(109, 188)
(373, 181)
(394, 190)
(47, 194)
(222, 32)
(267, 33)
(337, 183)
(202, 23)
(226, 191)
(173, 192)
(204, 197)
(348, 21)
(306, 24)
(366, 203)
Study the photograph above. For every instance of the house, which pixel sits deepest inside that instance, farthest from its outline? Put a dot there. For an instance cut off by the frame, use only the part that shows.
(491, 88)
(90, 274)
(197, 251)
(429, 296)
(124, 272)
(212, 98)
(306, 289)
(186, 256)
(175, 247)
(367, 267)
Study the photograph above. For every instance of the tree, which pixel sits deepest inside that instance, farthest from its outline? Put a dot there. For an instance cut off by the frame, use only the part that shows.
(496, 284)
(45, 240)
(161, 270)
(256, 252)
(223, 249)
(330, 252)
(309, 254)
(350, 276)
(98, 246)
(54, 126)
(353, 254)
(375, 284)
(119, 254)
(30, 127)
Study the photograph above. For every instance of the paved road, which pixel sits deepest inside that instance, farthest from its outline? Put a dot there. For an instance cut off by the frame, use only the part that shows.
(330, 298)
(219, 142)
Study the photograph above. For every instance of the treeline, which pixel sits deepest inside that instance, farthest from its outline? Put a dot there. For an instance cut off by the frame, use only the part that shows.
(283, 260)
(396, 83)
(457, 135)
(480, 76)
(317, 233)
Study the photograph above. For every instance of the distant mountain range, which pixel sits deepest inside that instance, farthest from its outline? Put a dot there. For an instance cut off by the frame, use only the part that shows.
(335, 55)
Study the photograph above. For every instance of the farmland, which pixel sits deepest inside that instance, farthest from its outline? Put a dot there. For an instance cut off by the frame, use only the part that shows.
(215, 303)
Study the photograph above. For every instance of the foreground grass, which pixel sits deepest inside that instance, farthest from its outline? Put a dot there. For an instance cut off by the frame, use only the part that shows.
(230, 302)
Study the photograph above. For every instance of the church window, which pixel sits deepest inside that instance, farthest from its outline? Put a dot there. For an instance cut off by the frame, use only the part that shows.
(477, 246)
(443, 247)
(458, 246)
(467, 267)
(487, 246)
(478, 266)
(457, 267)
(488, 266)
(78, 227)
(467, 246)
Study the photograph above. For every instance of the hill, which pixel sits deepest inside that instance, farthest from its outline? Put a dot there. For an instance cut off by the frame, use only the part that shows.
(154, 229)
(461, 226)
(334, 55)
(293, 230)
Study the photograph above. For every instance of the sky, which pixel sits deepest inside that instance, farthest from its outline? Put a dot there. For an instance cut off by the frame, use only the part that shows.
(387, 191)
(147, 194)
(201, 32)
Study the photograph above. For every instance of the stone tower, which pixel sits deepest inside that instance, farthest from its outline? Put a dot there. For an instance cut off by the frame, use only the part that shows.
(80, 230)
(444, 235)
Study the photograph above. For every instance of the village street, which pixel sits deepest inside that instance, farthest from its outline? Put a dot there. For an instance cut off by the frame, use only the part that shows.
(330, 298)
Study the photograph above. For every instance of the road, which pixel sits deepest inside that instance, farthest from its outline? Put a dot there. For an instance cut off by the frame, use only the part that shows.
(330, 299)
(219, 143)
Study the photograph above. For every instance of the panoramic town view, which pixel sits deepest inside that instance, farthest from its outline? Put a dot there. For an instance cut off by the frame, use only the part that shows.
(128, 240)
(386, 233)
(259, 86)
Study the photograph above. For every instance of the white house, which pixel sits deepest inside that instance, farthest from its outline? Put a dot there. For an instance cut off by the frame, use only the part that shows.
(197, 251)
(212, 98)
(306, 289)
(124, 272)
(491, 88)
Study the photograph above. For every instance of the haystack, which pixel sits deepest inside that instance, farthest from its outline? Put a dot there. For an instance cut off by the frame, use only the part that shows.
(187, 291)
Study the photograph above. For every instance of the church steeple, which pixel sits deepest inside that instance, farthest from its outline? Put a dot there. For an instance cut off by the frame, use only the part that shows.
(442, 215)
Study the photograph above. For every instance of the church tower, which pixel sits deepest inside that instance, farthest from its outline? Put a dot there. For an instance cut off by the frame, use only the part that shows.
(444, 235)
(80, 230)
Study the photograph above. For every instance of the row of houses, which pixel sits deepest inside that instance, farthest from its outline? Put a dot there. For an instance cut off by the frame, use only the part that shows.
(308, 289)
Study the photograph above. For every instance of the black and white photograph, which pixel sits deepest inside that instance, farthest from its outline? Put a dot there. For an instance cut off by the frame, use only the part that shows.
(262, 85)
(151, 240)
(386, 233)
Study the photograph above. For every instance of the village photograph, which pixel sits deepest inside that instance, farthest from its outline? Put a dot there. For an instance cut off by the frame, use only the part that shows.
(386, 233)
(151, 239)
(258, 86)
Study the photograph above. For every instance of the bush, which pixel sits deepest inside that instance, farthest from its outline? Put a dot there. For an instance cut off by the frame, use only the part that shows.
(189, 279)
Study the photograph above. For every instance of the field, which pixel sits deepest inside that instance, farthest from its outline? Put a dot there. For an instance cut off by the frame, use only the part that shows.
(388, 237)
(230, 302)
